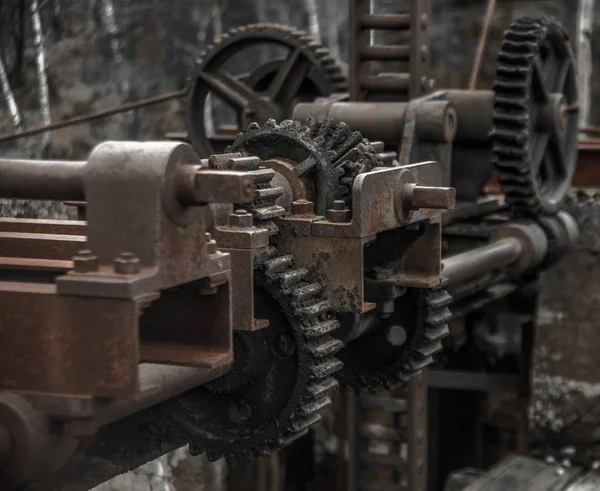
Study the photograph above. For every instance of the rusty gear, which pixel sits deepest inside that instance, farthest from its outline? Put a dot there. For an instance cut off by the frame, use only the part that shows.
(335, 156)
(535, 117)
(283, 373)
(311, 73)
(372, 362)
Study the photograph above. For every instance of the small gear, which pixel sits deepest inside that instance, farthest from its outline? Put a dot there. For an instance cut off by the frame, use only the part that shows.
(269, 91)
(320, 159)
(535, 117)
(401, 345)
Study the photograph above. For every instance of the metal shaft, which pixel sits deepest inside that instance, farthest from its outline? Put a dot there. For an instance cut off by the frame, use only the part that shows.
(477, 262)
(41, 179)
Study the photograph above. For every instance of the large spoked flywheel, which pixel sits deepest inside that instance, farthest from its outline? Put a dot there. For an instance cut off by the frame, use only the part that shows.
(535, 116)
(299, 70)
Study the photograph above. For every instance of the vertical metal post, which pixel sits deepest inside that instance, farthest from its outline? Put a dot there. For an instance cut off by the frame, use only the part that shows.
(419, 65)
(417, 432)
(585, 24)
(358, 38)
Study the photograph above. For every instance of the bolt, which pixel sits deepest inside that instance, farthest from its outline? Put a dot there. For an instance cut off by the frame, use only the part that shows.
(565, 463)
(385, 308)
(596, 465)
(284, 345)
(550, 460)
(303, 207)
(85, 261)
(241, 219)
(127, 263)
(424, 53)
(240, 411)
(340, 213)
(424, 21)
(396, 336)
(560, 471)
(211, 245)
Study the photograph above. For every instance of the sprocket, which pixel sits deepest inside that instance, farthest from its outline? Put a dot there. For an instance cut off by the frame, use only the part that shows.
(306, 72)
(535, 117)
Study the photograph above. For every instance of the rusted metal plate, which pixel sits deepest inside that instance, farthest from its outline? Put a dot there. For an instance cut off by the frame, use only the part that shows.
(41, 246)
(33, 226)
(76, 346)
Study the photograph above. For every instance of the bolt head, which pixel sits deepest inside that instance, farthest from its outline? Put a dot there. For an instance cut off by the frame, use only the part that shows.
(303, 207)
(241, 219)
(396, 335)
(339, 204)
(211, 247)
(85, 261)
(128, 264)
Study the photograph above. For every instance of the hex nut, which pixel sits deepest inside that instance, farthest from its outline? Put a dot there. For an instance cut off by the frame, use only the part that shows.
(85, 261)
(128, 264)
(241, 219)
(303, 207)
(340, 213)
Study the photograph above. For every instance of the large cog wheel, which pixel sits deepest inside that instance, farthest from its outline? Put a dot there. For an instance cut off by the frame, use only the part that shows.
(283, 373)
(306, 72)
(535, 117)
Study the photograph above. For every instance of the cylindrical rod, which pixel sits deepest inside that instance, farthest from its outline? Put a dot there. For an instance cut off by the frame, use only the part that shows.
(41, 179)
(381, 121)
(476, 262)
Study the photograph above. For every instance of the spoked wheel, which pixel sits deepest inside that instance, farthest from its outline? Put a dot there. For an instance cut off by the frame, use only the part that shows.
(535, 116)
(305, 72)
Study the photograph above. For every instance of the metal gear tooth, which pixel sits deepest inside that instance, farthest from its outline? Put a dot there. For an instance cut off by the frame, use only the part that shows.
(253, 127)
(271, 124)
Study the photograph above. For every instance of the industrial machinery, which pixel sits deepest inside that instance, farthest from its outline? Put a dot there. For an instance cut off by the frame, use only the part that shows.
(217, 301)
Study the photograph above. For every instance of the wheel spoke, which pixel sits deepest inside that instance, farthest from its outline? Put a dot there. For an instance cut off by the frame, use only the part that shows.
(229, 88)
(557, 152)
(286, 84)
(539, 81)
(538, 150)
(561, 79)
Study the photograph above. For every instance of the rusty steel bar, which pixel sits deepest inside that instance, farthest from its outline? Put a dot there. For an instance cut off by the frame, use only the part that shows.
(98, 115)
(385, 21)
(489, 13)
(386, 82)
(157, 384)
(41, 179)
(399, 52)
(481, 260)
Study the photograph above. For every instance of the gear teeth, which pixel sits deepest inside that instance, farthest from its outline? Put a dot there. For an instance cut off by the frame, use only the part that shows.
(315, 407)
(268, 193)
(327, 348)
(430, 349)
(278, 264)
(302, 425)
(316, 390)
(436, 333)
(326, 368)
(263, 175)
(315, 310)
(321, 329)
(293, 277)
(419, 364)
(305, 292)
